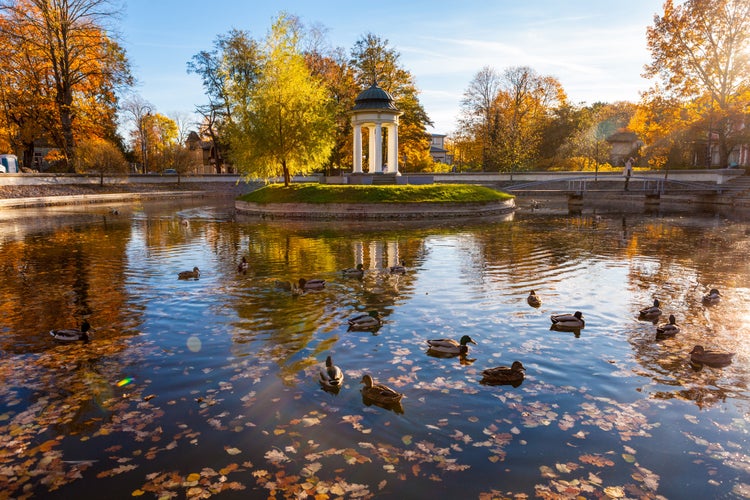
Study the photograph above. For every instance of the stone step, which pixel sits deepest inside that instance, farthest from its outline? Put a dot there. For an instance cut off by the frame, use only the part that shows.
(382, 179)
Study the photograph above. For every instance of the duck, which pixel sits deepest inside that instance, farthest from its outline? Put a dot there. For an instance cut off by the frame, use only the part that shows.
(651, 312)
(450, 346)
(499, 375)
(713, 297)
(533, 299)
(571, 321)
(312, 284)
(242, 266)
(355, 272)
(702, 356)
(190, 275)
(365, 321)
(379, 393)
(667, 329)
(331, 376)
(72, 334)
(398, 268)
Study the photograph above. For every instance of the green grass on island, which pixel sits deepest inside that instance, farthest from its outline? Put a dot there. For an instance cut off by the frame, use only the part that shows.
(325, 193)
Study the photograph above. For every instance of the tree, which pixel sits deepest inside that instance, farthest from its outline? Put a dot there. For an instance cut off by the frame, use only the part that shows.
(80, 67)
(332, 67)
(283, 126)
(700, 52)
(136, 109)
(100, 156)
(229, 74)
(160, 134)
(373, 60)
(507, 114)
(478, 113)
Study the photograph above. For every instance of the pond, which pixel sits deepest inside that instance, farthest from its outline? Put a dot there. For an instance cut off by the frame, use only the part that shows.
(210, 387)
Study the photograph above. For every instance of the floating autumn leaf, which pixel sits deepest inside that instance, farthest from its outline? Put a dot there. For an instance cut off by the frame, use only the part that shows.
(276, 457)
(597, 460)
(614, 491)
(232, 450)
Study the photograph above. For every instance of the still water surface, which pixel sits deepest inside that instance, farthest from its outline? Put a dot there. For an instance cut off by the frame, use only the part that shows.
(209, 387)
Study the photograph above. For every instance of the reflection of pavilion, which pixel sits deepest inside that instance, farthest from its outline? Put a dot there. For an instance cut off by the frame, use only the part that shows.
(374, 109)
(379, 254)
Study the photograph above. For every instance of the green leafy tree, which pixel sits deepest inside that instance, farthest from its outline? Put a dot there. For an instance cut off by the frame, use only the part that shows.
(284, 125)
(700, 51)
(229, 73)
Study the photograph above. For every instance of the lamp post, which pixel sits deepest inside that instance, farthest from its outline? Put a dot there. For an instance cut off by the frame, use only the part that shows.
(144, 150)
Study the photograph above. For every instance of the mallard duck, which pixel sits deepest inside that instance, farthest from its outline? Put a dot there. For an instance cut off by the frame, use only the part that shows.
(242, 266)
(398, 268)
(571, 321)
(513, 374)
(450, 346)
(668, 329)
(713, 297)
(701, 356)
(331, 376)
(379, 393)
(355, 272)
(365, 321)
(190, 275)
(533, 299)
(313, 284)
(651, 312)
(73, 334)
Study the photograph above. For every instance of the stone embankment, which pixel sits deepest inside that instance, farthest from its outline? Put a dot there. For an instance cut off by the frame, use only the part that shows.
(374, 211)
(26, 196)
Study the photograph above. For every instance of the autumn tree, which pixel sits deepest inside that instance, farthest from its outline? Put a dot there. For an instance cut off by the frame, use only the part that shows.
(479, 114)
(373, 60)
(100, 155)
(283, 125)
(700, 51)
(79, 66)
(507, 114)
(331, 66)
(160, 135)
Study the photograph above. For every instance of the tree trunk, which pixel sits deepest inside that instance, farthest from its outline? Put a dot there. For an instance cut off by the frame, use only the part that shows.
(27, 158)
(287, 177)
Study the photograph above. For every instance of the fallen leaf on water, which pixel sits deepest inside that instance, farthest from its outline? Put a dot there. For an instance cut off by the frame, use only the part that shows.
(614, 492)
(233, 451)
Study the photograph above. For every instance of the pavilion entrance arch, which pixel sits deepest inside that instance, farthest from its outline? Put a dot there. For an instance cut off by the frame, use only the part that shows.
(374, 110)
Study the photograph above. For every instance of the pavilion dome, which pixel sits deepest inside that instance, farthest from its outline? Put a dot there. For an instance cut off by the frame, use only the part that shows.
(374, 98)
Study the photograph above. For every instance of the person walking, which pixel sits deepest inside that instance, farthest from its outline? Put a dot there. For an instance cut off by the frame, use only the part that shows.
(628, 171)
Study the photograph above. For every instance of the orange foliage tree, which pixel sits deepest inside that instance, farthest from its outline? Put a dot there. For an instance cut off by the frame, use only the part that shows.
(61, 51)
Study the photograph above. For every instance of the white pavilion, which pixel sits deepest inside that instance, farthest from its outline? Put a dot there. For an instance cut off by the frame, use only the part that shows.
(374, 109)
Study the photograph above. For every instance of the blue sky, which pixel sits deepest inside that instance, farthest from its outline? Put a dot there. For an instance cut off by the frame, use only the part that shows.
(597, 49)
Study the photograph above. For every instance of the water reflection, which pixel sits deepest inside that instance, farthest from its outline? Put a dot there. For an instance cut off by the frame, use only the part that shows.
(223, 372)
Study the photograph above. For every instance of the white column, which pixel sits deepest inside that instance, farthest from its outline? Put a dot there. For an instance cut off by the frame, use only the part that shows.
(393, 148)
(378, 147)
(371, 159)
(357, 149)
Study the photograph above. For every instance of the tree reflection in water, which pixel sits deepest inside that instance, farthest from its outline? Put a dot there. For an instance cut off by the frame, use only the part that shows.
(210, 387)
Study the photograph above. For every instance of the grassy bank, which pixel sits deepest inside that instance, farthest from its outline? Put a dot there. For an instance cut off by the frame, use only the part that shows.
(323, 193)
